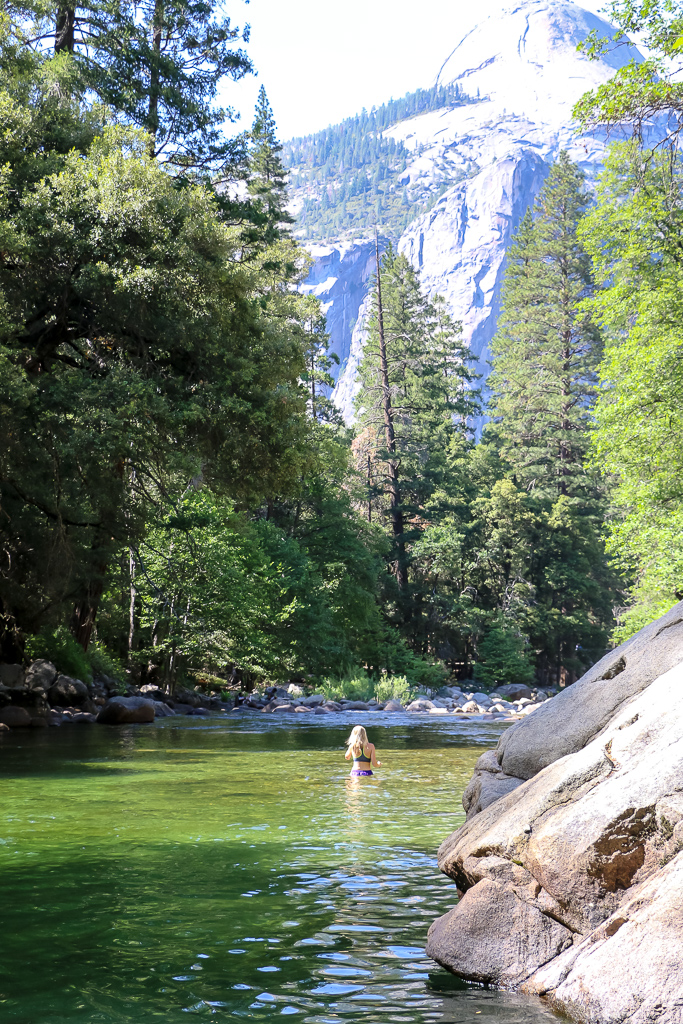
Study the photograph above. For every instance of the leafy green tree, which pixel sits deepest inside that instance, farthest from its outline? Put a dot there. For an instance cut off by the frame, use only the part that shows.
(644, 93)
(633, 235)
(319, 361)
(134, 346)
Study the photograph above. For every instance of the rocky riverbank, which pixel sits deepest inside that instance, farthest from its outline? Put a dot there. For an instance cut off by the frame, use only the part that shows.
(570, 865)
(40, 696)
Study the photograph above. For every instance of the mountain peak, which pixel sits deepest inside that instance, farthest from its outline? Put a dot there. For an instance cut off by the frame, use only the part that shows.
(525, 55)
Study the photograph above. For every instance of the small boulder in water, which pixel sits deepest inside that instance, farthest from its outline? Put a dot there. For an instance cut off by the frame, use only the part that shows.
(15, 717)
(126, 711)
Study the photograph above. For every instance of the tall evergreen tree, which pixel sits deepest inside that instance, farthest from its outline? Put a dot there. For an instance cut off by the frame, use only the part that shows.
(545, 356)
(547, 347)
(414, 405)
(267, 183)
(158, 64)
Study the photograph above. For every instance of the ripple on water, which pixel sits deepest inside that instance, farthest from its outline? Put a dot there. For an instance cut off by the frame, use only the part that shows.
(232, 870)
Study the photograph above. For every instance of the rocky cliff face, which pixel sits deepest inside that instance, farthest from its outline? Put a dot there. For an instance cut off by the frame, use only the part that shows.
(495, 153)
(571, 872)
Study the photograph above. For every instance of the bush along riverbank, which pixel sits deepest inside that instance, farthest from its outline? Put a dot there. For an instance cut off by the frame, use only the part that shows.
(570, 864)
(40, 696)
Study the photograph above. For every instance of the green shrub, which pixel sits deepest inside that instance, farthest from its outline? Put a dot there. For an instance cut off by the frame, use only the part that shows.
(59, 647)
(503, 657)
(356, 686)
(102, 663)
(393, 688)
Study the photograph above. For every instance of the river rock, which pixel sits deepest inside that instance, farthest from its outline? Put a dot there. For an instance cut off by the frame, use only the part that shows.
(152, 692)
(573, 878)
(162, 710)
(15, 717)
(314, 701)
(420, 704)
(470, 707)
(319, 710)
(11, 675)
(126, 711)
(304, 709)
(514, 691)
(41, 674)
(284, 707)
(66, 692)
(355, 705)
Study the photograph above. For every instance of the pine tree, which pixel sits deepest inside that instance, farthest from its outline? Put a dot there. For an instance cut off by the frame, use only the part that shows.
(413, 403)
(159, 65)
(545, 356)
(547, 348)
(267, 183)
(319, 361)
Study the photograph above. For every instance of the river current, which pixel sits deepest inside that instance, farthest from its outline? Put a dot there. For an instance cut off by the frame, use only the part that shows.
(228, 868)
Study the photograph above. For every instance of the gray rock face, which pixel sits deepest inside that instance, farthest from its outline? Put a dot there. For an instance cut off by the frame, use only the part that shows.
(65, 692)
(573, 717)
(508, 933)
(487, 785)
(126, 711)
(41, 674)
(490, 160)
(589, 841)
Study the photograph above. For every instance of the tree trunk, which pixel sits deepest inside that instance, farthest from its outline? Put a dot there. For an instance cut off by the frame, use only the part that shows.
(131, 605)
(390, 438)
(369, 490)
(85, 612)
(65, 29)
(154, 76)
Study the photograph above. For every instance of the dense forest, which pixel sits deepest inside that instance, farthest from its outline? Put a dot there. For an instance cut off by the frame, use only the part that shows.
(178, 496)
(349, 176)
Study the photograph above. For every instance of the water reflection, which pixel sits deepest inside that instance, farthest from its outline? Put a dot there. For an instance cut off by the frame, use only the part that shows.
(231, 871)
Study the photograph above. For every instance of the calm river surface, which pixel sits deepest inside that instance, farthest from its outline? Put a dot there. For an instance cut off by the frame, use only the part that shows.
(228, 868)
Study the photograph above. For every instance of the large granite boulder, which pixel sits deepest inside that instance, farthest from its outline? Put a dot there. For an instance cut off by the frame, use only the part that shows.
(15, 717)
(66, 692)
(572, 878)
(40, 675)
(126, 711)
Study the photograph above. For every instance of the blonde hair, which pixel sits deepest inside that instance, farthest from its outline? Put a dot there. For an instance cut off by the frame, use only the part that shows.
(357, 741)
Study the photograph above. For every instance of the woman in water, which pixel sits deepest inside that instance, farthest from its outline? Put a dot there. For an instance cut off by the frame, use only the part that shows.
(362, 751)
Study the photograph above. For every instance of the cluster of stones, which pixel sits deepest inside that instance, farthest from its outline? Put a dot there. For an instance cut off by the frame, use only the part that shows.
(40, 696)
(508, 702)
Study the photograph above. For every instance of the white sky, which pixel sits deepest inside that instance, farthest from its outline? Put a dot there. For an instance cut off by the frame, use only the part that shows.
(321, 62)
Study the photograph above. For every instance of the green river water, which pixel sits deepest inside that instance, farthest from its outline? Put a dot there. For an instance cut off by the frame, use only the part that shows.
(229, 868)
